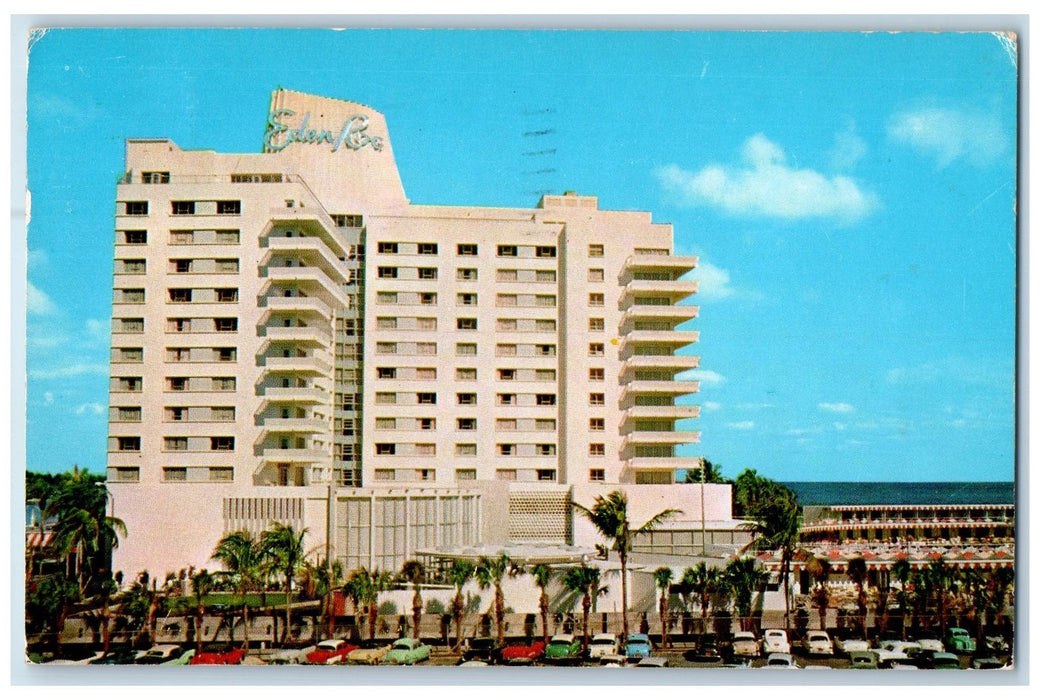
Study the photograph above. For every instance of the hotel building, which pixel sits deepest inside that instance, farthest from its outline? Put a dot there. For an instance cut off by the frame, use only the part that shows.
(294, 341)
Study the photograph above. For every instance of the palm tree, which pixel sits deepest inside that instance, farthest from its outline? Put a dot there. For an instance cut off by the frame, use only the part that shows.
(901, 570)
(321, 581)
(1001, 582)
(777, 513)
(358, 588)
(282, 545)
(48, 601)
(489, 573)
(702, 581)
(363, 588)
(943, 580)
(857, 572)
(584, 580)
(663, 581)
(542, 577)
(744, 577)
(202, 583)
(819, 569)
(414, 572)
(242, 559)
(459, 574)
(609, 515)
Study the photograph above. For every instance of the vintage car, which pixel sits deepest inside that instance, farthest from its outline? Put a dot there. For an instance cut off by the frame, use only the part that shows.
(863, 658)
(994, 644)
(563, 648)
(775, 642)
(287, 657)
(406, 652)
(936, 660)
(707, 651)
(481, 649)
(818, 643)
(638, 646)
(158, 654)
(652, 662)
(895, 650)
(745, 645)
(603, 645)
(845, 645)
(958, 641)
(330, 651)
(930, 644)
(115, 657)
(183, 659)
(370, 653)
(522, 653)
(780, 660)
(225, 658)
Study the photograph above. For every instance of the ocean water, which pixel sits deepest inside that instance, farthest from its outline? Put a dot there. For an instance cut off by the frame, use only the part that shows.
(854, 493)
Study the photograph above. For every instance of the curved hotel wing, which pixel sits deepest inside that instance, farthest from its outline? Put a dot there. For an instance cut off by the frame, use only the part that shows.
(294, 341)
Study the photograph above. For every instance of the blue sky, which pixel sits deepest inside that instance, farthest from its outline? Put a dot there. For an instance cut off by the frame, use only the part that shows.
(851, 197)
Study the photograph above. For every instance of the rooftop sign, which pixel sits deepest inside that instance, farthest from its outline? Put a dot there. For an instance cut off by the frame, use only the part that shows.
(353, 134)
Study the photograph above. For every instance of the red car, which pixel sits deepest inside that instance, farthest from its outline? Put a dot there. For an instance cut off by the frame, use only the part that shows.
(331, 651)
(227, 658)
(521, 653)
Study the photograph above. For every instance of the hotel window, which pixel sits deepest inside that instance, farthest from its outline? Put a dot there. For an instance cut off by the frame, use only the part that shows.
(427, 273)
(506, 399)
(595, 324)
(466, 324)
(427, 374)
(425, 449)
(222, 414)
(131, 354)
(428, 298)
(545, 251)
(597, 399)
(180, 296)
(595, 250)
(465, 399)
(545, 325)
(545, 276)
(133, 267)
(546, 474)
(129, 414)
(543, 424)
(387, 273)
(596, 349)
(386, 424)
(386, 348)
(155, 178)
(545, 375)
(465, 423)
(386, 323)
(227, 295)
(426, 397)
(383, 398)
(226, 325)
(545, 450)
(131, 325)
(178, 325)
(597, 424)
(228, 236)
(130, 384)
(427, 249)
(227, 264)
(386, 373)
(506, 276)
(506, 449)
(386, 448)
(129, 444)
(426, 323)
(505, 300)
(596, 374)
(465, 449)
(506, 324)
(465, 348)
(426, 423)
(597, 475)
(545, 350)
(465, 475)
(386, 297)
(466, 249)
(386, 248)
(182, 208)
(181, 265)
(466, 299)
(505, 474)
(176, 414)
(506, 375)
(222, 443)
(465, 374)
(465, 274)
(229, 206)
(175, 444)
(384, 474)
(221, 474)
(505, 424)
(223, 383)
(505, 349)
(175, 473)
(507, 251)
(135, 208)
(596, 274)
(545, 300)
(135, 237)
(426, 348)
(176, 383)
(596, 299)
(545, 399)
(597, 449)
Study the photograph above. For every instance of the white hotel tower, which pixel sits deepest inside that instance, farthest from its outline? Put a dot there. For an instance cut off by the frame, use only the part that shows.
(293, 341)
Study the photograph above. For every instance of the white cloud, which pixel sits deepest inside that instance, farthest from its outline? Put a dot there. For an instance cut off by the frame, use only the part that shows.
(72, 370)
(37, 302)
(95, 408)
(764, 185)
(804, 431)
(742, 425)
(712, 282)
(848, 149)
(711, 405)
(702, 375)
(950, 134)
(37, 259)
(836, 407)
(99, 330)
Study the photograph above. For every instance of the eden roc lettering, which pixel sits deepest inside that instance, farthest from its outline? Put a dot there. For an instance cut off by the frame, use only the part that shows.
(353, 134)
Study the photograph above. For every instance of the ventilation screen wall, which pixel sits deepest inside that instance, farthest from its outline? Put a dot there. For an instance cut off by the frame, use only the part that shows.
(540, 516)
(254, 515)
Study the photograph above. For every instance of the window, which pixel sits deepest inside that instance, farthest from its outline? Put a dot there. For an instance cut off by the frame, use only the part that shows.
(223, 383)
(426, 423)
(222, 414)
(507, 251)
(135, 237)
(227, 354)
(386, 297)
(383, 398)
(386, 373)
(178, 325)
(182, 208)
(597, 475)
(427, 273)
(386, 423)
(129, 444)
(127, 473)
(177, 414)
(386, 248)
(465, 475)
(131, 354)
(221, 474)
(505, 474)
(131, 325)
(596, 299)
(506, 399)
(506, 375)
(545, 300)
(465, 449)
(506, 324)
(428, 298)
(133, 267)
(466, 324)
(175, 444)
(596, 349)
(465, 348)
(465, 274)
(545, 399)
(465, 423)
(596, 374)
(426, 323)
(466, 249)
(546, 474)
(465, 399)
(596, 274)
(386, 348)
(180, 296)
(182, 265)
(226, 264)
(129, 414)
(136, 208)
(466, 299)
(426, 348)
(222, 444)
(595, 250)
(545, 325)
(545, 375)
(130, 384)
(545, 350)
(426, 373)
(427, 249)
(505, 424)
(543, 424)
(226, 325)
(230, 206)
(597, 424)
(386, 448)
(176, 383)
(227, 236)
(595, 324)
(545, 251)
(386, 323)
(155, 178)
(466, 374)
(506, 449)
(596, 399)
(505, 300)
(545, 450)
(384, 474)
(545, 276)
(506, 276)
(227, 295)
(426, 397)
(505, 349)
(597, 449)
(387, 273)
(175, 473)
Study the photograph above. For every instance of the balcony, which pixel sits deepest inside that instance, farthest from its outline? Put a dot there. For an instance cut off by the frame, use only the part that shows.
(664, 437)
(676, 264)
(673, 314)
(296, 304)
(312, 221)
(663, 463)
(313, 276)
(312, 251)
(662, 412)
(298, 365)
(676, 290)
(294, 394)
(294, 425)
(310, 336)
(289, 455)
(659, 387)
(669, 339)
(669, 362)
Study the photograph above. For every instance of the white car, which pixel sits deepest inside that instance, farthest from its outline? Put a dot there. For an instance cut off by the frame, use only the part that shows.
(818, 643)
(894, 650)
(931, 644)
(745, 644)
(775, 642)
(603, 645)
(851, 644)
(780, 660)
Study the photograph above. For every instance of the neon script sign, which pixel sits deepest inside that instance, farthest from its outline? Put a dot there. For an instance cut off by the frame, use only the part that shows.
(352, 135)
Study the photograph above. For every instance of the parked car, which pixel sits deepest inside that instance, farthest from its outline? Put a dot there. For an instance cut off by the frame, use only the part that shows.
(896, 650)
(481, 649)
(407, 651)
(116, 657)
(603, 645)
(370, 653)
(158, 654)
(847, 645)
(707, 651)
(936, 660)
(563, 648)
(652, 662)
(474, 662)
(780, 660)
(522, 653)
(638, 646)
(330, 651)
(76, 660)
(775, 642)
(818, 643)
(958, 641)
(287, 657)
(864, 658)
(745, 644)
(987, 664)
(994, 644)
(182, 660)
(224, 658)
(930, 644)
